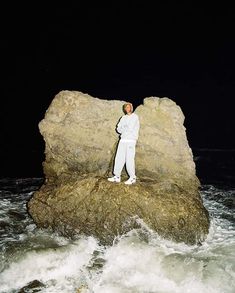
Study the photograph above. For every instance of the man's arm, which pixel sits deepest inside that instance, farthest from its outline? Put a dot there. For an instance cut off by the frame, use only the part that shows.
(136, 127)
(120, 127)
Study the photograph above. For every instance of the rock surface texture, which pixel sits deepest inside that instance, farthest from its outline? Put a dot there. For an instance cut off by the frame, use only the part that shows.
(80, 145)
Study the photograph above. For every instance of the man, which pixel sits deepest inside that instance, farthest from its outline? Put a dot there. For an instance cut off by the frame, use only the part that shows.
(128, 128)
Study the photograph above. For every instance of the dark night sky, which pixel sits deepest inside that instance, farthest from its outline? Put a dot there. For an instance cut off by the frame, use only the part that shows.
(115, 51)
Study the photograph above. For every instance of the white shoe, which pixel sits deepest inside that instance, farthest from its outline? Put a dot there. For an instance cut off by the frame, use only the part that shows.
(130, 181)
(114, 179)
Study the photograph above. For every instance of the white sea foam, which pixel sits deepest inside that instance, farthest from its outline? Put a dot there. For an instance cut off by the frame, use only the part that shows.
(138, 262)
(131, 265)
(59, 268)
(163, 266)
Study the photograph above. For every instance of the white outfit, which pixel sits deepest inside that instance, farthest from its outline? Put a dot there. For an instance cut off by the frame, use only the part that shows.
(128, 127)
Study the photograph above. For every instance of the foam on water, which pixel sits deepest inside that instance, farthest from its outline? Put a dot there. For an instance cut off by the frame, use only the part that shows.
(162, 266)
(59, 267)
(138, 262)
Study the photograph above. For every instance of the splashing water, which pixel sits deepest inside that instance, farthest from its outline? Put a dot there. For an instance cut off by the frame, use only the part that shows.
(138, 262)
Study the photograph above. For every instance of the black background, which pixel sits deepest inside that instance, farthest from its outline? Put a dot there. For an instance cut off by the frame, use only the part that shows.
(179, 49)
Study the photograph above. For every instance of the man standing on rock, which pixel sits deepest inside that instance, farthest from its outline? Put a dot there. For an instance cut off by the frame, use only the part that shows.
(128, 128)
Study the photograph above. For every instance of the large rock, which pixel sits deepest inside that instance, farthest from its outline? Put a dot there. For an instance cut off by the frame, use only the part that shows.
(80, 145)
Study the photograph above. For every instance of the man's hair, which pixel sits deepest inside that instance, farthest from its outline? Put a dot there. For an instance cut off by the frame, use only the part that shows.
(124, 107)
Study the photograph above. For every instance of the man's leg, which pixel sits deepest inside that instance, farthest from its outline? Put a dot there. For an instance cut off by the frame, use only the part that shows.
(130, 159)
(120, 158)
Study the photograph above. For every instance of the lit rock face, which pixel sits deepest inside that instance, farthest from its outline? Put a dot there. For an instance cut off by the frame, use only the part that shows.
(80, 144)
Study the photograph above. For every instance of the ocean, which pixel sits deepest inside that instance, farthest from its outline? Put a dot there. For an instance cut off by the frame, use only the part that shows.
(39, 260)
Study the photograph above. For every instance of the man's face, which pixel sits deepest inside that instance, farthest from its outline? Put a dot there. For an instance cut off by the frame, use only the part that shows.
(128, 109)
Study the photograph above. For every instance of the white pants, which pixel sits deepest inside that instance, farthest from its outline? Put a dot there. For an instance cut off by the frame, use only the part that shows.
(125, 154)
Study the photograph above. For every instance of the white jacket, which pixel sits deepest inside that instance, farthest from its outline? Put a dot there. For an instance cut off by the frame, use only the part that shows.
(128, 126)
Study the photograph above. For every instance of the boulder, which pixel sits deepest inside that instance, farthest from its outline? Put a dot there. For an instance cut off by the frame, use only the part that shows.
(80, 145)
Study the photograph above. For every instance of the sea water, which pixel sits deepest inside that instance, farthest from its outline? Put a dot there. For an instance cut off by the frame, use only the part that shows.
(139, 261)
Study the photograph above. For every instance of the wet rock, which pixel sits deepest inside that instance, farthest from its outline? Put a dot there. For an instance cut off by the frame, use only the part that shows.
(16, 215)
(91, 205)
(34, 286)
